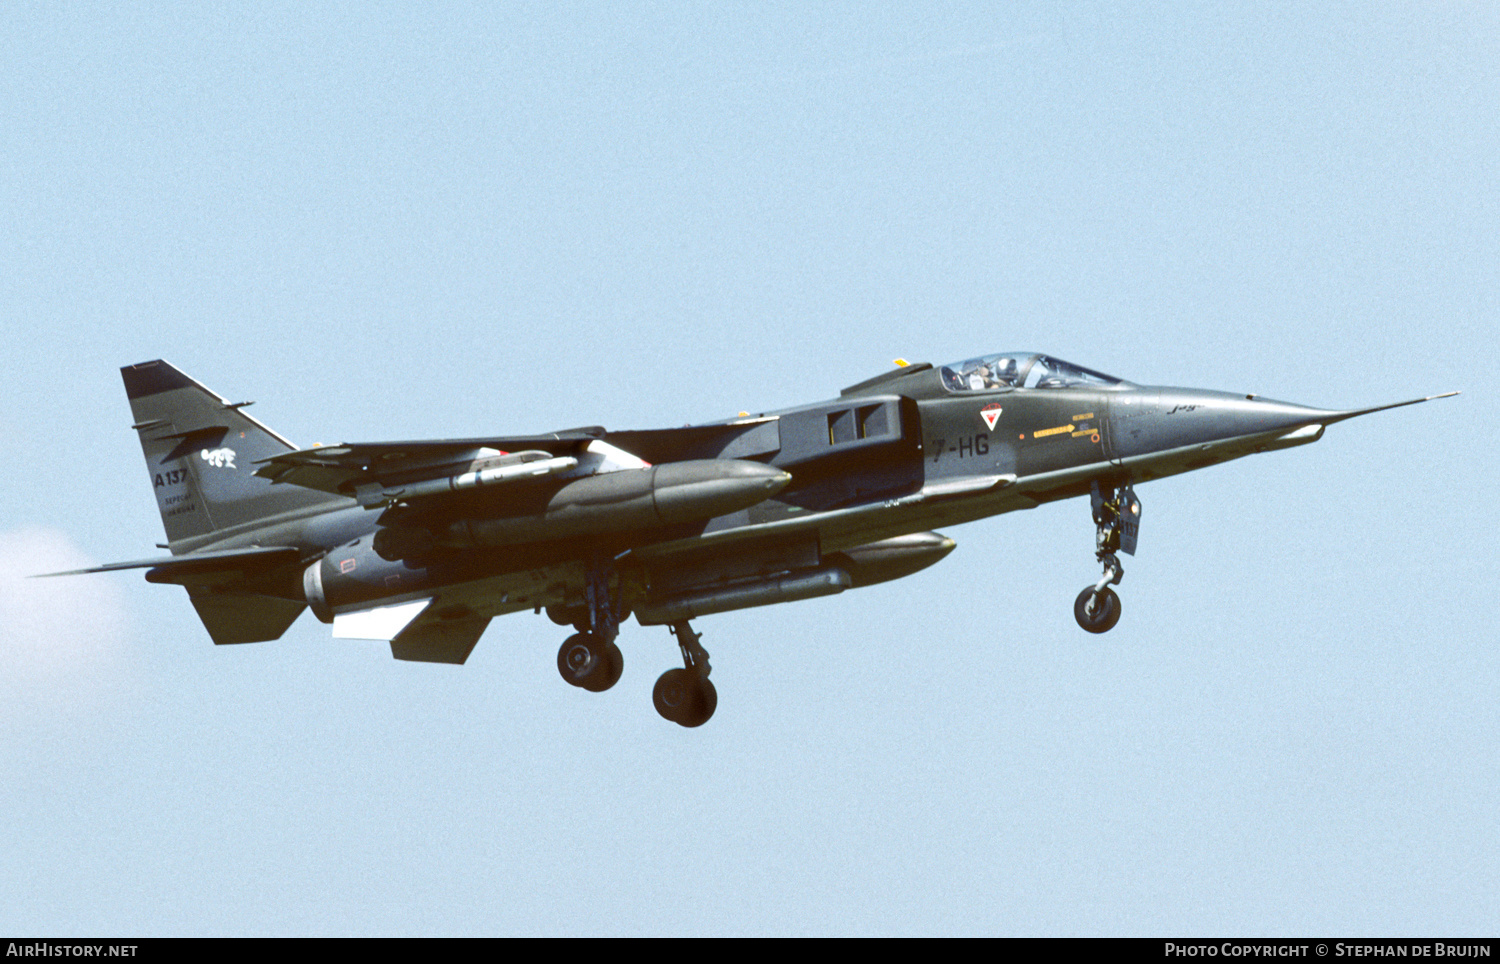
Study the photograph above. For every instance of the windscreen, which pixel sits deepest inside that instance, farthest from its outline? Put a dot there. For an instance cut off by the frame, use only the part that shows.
(1021, 370)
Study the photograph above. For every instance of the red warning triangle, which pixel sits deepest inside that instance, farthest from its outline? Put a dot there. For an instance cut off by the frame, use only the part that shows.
(991, 415)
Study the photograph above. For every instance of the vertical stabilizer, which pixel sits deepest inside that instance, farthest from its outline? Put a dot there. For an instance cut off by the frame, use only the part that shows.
(201, 451)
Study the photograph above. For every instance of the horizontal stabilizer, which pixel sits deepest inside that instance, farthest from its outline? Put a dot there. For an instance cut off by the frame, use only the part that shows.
(172, 569)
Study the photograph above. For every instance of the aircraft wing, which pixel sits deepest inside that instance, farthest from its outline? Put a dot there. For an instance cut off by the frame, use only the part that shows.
(743, 438)
(381, 473)
(358, 470)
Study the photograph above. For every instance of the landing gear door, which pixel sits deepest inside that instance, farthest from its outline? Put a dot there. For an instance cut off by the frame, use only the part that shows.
(1130, 520)
(1117, 513)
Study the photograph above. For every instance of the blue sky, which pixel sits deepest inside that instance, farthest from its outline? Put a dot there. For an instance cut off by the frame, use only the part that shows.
(385, 222)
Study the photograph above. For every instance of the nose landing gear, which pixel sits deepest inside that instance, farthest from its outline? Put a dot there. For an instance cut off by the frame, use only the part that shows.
(1117, 516)
(1097, 610)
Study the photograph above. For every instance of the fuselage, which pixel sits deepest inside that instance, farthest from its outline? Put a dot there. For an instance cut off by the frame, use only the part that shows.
(889, 459)
(422, 543)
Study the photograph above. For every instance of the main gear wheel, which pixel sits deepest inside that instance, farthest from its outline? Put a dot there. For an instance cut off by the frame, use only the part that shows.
(589, 662)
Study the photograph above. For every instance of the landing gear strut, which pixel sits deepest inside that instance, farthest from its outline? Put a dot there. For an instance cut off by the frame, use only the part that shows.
(590, 659)
(685, 696)
(1117, 514)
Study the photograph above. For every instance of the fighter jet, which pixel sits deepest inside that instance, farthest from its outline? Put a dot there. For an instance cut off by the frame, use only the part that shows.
(422, 543)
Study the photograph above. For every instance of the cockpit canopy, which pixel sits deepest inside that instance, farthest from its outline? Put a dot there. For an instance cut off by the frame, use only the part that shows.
(1021, 369)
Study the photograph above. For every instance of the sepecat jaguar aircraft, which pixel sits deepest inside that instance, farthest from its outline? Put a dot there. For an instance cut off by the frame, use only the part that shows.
(422, 543)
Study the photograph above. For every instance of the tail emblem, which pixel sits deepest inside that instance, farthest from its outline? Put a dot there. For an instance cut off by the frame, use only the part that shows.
(218, 458)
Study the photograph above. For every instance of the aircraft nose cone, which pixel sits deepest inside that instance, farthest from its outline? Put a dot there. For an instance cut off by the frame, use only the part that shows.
(1174, 418)
(1220, 415)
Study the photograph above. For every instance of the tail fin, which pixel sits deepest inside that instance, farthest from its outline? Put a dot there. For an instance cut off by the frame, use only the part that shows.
(201, 451)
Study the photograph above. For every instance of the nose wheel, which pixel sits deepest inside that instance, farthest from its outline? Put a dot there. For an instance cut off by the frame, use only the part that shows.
(1117, 517)
(1097, 610)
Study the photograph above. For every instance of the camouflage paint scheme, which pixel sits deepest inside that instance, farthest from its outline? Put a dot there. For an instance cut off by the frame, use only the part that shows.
(422, 543)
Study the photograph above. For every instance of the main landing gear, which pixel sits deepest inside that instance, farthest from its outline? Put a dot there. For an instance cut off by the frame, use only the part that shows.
(1117, 514)
(587, 661)
(685, 696)
(590, 659)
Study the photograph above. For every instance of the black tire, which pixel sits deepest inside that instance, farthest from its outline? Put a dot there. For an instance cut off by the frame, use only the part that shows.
(1106, 610)
(684, 697)
(566, 615)
(670, 694)
(703, 707)
(609, 672)
(583, 660)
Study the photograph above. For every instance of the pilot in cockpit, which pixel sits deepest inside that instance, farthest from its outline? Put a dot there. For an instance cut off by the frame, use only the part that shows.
(1001, 373)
